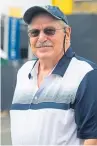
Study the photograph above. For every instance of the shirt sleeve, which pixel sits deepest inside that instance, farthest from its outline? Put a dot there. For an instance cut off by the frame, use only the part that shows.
(86, 107)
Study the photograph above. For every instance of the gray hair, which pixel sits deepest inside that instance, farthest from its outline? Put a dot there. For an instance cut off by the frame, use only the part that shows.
(64, 24)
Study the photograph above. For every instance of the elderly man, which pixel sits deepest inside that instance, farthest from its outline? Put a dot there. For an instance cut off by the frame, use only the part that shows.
(55, 100)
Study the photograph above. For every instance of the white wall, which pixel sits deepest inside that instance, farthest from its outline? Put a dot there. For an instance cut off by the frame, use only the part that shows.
(24, 4)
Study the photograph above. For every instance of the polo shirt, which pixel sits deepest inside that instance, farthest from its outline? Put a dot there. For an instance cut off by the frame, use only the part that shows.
(62, 111)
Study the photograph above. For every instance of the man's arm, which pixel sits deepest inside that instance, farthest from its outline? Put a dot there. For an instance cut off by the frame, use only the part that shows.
(86, 109)
(90, 142)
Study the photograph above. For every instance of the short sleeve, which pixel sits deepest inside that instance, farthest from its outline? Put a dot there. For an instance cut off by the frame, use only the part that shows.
(86, 107)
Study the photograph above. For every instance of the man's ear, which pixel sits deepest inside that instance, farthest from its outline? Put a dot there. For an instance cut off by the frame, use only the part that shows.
(68, 33)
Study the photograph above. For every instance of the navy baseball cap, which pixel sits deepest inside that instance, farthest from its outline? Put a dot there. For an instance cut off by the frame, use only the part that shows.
(52, 10)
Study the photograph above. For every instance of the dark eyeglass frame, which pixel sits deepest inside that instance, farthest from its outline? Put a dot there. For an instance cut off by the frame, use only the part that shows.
(49, 31)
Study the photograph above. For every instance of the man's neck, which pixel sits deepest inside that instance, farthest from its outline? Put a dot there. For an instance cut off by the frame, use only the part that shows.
(48, 64)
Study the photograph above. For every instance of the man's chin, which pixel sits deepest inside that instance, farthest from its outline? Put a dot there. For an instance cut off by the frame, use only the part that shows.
(44, 56)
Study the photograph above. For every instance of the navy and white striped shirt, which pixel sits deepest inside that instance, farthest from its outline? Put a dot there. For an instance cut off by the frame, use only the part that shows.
(63, 111)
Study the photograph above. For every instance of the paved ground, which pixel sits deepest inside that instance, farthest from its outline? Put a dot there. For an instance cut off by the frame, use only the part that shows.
(5, 130)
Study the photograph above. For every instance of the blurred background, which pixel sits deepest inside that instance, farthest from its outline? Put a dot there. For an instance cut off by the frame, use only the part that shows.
(15, 51)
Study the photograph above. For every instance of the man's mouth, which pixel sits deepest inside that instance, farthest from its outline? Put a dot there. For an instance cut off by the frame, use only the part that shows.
(43, 46)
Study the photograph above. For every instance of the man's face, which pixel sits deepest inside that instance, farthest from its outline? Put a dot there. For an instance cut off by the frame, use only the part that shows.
(45, 44)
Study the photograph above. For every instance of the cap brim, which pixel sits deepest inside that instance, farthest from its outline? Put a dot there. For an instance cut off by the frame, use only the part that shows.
(31, 12)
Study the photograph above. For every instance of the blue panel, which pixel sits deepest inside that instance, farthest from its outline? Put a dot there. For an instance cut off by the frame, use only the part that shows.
(14, 38)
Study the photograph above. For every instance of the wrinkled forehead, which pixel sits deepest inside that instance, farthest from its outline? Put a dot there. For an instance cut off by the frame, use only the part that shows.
(42, 19)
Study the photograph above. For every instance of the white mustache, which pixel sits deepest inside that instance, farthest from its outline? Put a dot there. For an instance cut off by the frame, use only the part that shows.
(43, 44)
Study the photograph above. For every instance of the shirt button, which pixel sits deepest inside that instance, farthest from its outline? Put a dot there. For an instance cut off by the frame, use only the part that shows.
(35, 97)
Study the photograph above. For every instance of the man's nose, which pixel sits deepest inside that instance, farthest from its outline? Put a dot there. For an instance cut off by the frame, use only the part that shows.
(42, 37)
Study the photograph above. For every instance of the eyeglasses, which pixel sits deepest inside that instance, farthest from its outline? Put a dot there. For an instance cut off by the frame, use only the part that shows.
(47, 31)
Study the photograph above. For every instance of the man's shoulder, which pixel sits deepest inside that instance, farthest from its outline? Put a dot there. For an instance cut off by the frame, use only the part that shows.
(86, 62)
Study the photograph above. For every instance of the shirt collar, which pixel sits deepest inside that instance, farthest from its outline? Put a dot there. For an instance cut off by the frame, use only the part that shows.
(61, 66)
(63, 63)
